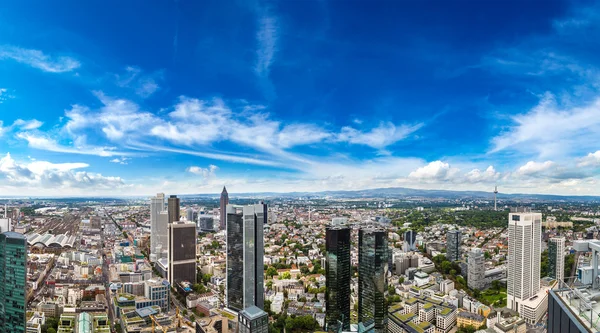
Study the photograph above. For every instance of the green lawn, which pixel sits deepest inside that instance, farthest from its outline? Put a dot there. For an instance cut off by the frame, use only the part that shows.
(491, 297)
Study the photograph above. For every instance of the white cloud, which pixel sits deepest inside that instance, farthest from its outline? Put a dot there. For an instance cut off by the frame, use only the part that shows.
(28, 124)
(39, 60)
(47, 175)
(434, 171)
(122, 160)
(550, 130)
(533, 168)
(204, 172)
(592, 159)
(379, 137)
(477, 176)
(266, 37)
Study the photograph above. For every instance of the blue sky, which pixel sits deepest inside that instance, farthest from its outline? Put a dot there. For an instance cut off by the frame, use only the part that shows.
(188, 96)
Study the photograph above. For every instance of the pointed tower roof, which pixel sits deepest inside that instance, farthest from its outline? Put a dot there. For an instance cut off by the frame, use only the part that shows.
(224, 191)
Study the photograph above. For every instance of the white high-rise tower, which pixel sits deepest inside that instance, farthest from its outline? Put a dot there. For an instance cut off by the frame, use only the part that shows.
(524, 256)
(159, 232)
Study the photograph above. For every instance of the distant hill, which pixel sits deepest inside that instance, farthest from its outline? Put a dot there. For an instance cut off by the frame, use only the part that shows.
(408, 193)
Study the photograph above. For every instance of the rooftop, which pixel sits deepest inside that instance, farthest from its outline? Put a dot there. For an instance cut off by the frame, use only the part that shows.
(253, 312)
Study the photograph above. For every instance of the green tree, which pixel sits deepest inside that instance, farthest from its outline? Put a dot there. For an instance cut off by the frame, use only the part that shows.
(51, 330)
(271, 271)
(192, 318)
(185, 313)
(286, 276)
(487, 255)
(545, 263)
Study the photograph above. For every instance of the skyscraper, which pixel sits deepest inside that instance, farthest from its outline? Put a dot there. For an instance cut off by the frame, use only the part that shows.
(223, 208)
(182, 252)
(524, 242)
(245, 256)
(453, 241)
(556, 258)
(372, 278)
(159, 231)
(13, 279)
(410, 241)
(174, 214)
(338, 272)
(476, 269)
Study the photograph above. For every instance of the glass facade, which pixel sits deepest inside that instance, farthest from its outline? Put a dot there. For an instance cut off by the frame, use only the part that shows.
(245, 256)
(338, 270)
(372, 278)
(182, 262)
(453, 241)
(253, 320)
(13, 277)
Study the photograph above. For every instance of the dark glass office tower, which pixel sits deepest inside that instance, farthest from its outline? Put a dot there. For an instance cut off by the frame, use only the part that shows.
(245, 256)
(174, 214)
(453, 241)
(182, 252)
(372, 278)
(13, 277)
(338, 270)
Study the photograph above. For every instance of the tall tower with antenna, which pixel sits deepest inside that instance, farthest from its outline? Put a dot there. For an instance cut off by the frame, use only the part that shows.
(495, 194)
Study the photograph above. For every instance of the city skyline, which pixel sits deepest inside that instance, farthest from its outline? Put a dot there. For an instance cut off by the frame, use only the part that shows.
(177, 101)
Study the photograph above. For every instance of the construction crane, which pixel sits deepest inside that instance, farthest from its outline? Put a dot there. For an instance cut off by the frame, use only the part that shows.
(179, 317)
(155, 323)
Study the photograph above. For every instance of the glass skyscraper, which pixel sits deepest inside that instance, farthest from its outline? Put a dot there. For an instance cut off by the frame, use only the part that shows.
(339, 271)
(13, 277)
(372, 278)
(245, 256)
(453, 241)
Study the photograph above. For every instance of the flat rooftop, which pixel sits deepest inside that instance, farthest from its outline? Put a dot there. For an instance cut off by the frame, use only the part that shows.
(580, 301)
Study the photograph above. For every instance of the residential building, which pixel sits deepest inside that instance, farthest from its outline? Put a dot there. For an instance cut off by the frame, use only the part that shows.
(339, 273)
(182, 252)
(174, 209)
(13, 282)
(476, 269)
(245, 256)
(556, 258)
(372, 278)
(453, 242)
(464, 319)
(223, 208)
(253, 320)
(524, 256)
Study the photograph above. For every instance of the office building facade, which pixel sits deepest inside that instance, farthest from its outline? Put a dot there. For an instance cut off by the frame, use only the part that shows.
(372, 278)
(174, 209)
(206, 223)
(223, 208)
(13, 282)
(182, 252)
(556, 258)
(253, 320)
(245, 256)
(453, 242)
(524, 256)
(476, 269)
(410, 241)
(338, 274)
(159, 230)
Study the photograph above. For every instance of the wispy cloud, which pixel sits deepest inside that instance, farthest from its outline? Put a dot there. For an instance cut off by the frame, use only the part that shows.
(39, 60)
(379, 137)
(45, 143)
(143, 84)
(5, 95)
(550, 129)
(266, 38)
(204, 172)
(122, 160)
